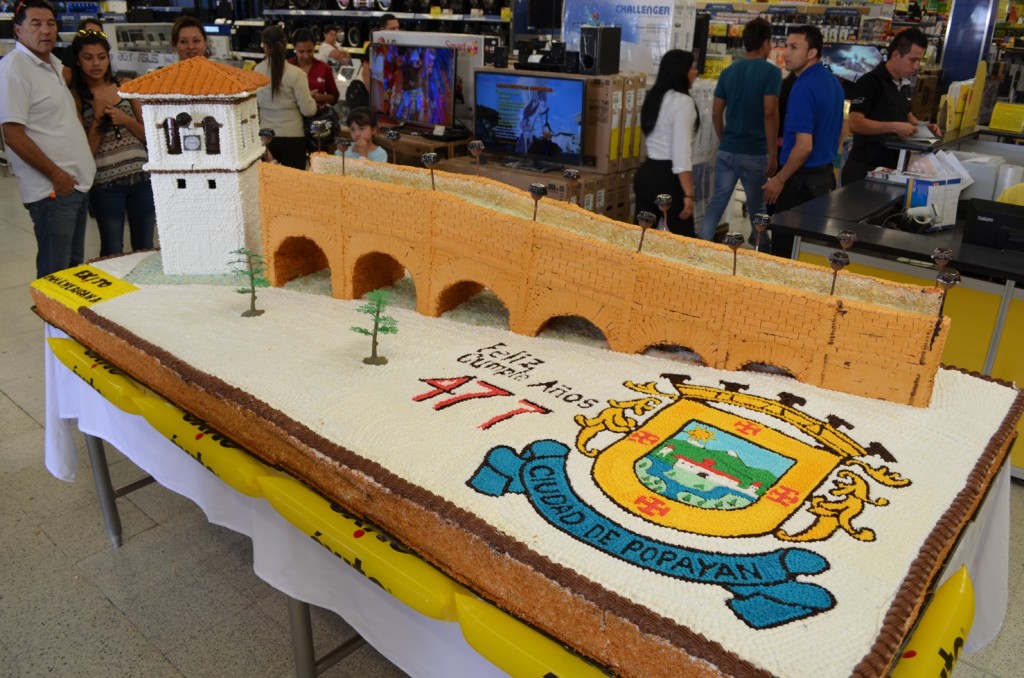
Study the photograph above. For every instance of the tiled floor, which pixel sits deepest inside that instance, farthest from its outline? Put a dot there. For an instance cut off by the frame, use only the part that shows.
(179, 598)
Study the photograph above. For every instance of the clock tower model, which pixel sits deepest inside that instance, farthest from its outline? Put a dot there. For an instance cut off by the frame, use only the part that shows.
(202, 134)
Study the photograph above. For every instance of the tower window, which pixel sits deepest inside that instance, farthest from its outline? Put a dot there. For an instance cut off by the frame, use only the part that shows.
(212, 183)
(211, 129)
(171, 136)
(181, 183)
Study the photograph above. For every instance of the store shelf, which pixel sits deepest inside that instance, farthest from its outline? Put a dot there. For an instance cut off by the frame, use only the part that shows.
(159, 8)
(365, 14)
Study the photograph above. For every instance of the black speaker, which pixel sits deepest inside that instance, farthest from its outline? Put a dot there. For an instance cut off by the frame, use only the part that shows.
(558, 53)
(501, 57)
(572, 62)
(599, 49)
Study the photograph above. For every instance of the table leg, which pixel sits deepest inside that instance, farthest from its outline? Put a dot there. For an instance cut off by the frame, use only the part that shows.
(997, 331)
(796, 248)
(104, 488)
(302, 638)
(306, 664)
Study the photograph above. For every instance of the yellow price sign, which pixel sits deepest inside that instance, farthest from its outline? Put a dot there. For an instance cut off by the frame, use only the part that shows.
(714, 66)
(82, 286)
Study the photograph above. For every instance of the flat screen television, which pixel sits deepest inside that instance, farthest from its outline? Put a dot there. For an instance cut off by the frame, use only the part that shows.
(413, 85)
(850, 62)
(538, 117)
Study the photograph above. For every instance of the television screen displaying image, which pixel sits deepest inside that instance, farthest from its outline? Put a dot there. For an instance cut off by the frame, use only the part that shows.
(540, 116)
(850, 62)
(413, 84)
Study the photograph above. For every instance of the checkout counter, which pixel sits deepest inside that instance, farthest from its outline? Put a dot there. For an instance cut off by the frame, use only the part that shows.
(987, 307)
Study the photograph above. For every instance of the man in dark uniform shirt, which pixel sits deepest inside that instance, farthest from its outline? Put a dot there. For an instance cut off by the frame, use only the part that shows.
(880, 107)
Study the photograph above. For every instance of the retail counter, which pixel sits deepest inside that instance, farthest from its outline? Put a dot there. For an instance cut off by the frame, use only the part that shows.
(987, 307)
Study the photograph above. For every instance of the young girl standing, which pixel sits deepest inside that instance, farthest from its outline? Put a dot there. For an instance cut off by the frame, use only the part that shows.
(118, 141)
(362, 125)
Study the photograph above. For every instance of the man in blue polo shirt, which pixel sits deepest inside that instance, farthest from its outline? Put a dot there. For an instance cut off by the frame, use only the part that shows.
(745, 114)
(811, 130)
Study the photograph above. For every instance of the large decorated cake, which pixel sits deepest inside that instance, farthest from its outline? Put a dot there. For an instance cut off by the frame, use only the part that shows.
(663, 514)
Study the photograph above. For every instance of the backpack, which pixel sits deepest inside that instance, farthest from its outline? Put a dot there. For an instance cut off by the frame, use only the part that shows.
(357, 95)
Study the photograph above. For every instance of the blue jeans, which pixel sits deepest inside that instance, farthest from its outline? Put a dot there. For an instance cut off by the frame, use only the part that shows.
(110, 203)
(729, 167)
(59, 224)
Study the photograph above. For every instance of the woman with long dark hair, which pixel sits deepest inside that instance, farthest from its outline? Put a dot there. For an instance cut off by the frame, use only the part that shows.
(284, 101)
(669, 121)
(117, 139)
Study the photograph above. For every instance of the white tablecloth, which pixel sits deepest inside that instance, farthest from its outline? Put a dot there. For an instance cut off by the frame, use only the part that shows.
(291, 562)
(283, 556)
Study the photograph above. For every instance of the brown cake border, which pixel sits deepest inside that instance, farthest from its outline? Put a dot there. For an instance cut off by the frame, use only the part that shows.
(622, 636)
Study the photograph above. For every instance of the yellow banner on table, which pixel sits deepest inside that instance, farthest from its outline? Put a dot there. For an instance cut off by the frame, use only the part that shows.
(82, 286)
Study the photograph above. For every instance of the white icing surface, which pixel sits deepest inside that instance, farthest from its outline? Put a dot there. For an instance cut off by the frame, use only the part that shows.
(372, 411)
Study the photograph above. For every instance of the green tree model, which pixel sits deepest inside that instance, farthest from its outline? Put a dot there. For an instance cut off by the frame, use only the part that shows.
(377, 301)
(250, 264)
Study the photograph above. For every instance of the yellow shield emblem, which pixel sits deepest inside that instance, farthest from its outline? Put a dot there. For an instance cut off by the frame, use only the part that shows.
(704, 470)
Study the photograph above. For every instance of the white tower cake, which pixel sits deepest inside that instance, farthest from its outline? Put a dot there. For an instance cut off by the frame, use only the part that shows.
(202, 132)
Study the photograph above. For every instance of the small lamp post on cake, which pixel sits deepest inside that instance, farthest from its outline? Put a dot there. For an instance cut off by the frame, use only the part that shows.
(734, 240)
(393, 136)
(761, 222)
(266, 136)
(343, 144)
(941, 256)
(572, 186)
(946, 280)
(429, 160)
(320, 129)
(663, 201)
(476, 149)
(838, 261)
(537, 191)
(846, 239)
(646, 220)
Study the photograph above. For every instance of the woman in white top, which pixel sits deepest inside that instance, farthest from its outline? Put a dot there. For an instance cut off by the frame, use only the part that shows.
(669, 121)
(284, 101)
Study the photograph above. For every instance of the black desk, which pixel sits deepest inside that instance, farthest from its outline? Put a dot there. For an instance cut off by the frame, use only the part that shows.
(858, 202)
(820, 220)
(949, 140)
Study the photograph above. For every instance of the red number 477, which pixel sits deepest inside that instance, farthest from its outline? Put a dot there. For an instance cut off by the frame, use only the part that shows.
(448, 386)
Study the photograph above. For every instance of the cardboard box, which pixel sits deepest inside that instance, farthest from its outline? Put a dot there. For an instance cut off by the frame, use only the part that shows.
(634, 91)
(926, 95)
(941, 194)
(630, 119)
(602, 136)
(640, 83)
(558, 186)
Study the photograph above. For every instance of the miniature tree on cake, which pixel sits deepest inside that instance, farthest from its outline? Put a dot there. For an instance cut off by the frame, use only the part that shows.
(377, 301)
(250, 264)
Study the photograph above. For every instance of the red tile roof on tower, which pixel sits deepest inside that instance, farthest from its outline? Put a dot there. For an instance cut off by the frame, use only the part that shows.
(195, 77)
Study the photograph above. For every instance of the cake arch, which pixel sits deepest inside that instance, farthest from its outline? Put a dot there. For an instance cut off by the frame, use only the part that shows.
(373, 270)
(299, 255)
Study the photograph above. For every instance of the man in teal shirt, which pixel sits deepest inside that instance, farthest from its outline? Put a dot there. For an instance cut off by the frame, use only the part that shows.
(746, 118)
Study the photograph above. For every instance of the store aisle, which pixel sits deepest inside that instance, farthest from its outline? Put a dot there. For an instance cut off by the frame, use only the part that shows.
(179, 598)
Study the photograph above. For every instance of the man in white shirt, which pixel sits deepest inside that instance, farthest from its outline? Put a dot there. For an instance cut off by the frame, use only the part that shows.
(330, 49)
(45, 138)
